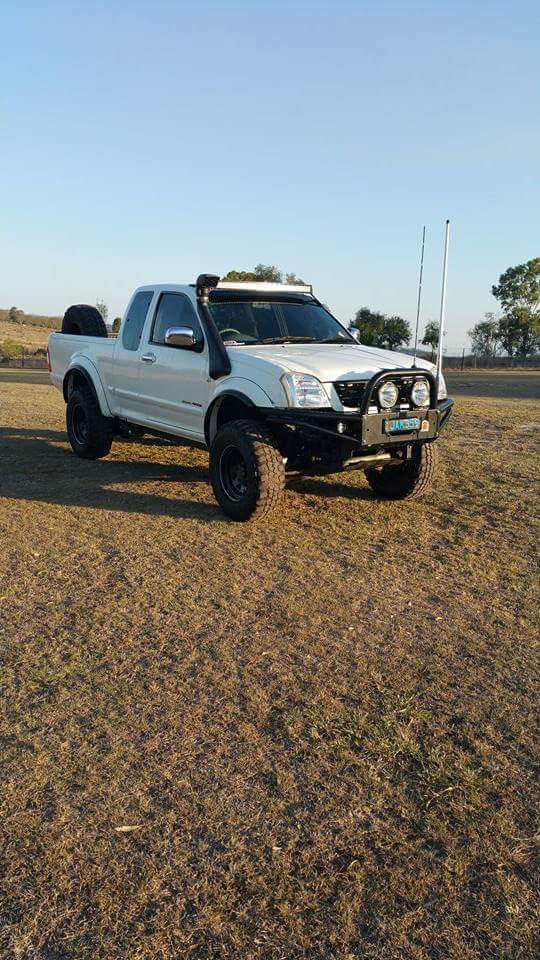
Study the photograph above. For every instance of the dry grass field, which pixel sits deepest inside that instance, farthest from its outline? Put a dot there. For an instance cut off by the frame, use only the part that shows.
(29, 336)
(311, 738)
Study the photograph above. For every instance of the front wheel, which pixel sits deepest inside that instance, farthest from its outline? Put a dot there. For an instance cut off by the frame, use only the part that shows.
(407, 480)
(246, 470)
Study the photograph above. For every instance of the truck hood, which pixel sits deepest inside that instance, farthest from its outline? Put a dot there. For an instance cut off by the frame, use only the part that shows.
(329, 362)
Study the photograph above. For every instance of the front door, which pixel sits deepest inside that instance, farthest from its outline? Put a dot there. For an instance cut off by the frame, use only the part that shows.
(174, 380)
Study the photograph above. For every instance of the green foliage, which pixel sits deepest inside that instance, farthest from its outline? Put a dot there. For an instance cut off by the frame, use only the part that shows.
(519, 287)
(485, 337)
(518, 292)
(370, 323)
(396, 331)
(262, 272)
(378, 330)
(268, 273)
(239, 276)
(10, 348)
(431, 336)
(519, 333)
(103, 309)
(15, 315)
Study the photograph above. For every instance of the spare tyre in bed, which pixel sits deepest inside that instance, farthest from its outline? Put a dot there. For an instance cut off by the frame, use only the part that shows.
(84, 321)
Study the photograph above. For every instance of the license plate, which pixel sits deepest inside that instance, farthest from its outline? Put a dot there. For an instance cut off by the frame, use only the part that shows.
(397, 426)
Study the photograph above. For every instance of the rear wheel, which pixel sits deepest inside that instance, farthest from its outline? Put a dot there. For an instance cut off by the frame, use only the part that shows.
(246, 470)
(84, 320)
(407, 480)
(90, 433)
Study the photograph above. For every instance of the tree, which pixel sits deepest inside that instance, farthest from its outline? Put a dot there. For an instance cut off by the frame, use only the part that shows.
(485, 337)
(262, 272)
(518, 334)
(15, 315)
(378, 330)
(370, 324)
(103, 309)
(518, 292)
(520, 287)
(269, 273)
(239, 276)
(431, 336)
(396, 332)
(116, 324)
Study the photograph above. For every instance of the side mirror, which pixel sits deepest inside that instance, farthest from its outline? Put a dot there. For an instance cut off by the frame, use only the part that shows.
(355, 333)
(180, 337)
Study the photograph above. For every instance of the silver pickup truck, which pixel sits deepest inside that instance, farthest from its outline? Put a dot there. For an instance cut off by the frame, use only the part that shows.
(261, 374)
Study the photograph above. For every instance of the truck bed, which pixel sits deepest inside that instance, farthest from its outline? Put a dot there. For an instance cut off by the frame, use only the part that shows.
(64, 349)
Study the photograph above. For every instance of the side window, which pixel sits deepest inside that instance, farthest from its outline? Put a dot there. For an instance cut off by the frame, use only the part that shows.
(134, 322)
(174, 310)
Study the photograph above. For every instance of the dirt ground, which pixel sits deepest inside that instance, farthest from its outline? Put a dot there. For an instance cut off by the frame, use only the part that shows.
(311, 738)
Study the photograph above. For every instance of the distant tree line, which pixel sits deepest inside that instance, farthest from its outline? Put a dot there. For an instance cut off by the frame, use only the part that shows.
(262, 272)
(516, 331)
(390, 332)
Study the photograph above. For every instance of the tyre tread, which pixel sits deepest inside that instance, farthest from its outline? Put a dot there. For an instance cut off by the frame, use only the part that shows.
(101, 428)
(269, 465)
(395, 485)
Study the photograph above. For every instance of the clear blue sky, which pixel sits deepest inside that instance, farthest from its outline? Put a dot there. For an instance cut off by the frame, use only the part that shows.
(151, 141)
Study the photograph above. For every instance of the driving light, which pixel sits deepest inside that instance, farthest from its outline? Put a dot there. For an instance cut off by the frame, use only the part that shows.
(420, 393)
(388, 394)
(442, 393)
(303, 390)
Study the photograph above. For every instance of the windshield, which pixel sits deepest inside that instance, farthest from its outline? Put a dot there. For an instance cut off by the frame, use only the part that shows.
(244, 322)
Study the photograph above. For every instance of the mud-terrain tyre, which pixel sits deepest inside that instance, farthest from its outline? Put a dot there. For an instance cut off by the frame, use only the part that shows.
(90, 433)
(407, 480)
(246, 470)
(84, 321)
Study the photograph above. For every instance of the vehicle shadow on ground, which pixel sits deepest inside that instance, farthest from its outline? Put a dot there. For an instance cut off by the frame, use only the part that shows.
(319, 487)
(36, 465)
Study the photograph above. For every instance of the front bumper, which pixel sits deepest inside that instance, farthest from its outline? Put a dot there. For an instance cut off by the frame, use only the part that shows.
(364, 431)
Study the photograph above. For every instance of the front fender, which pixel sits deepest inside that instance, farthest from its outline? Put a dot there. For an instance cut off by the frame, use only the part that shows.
(245, 391)
(84, 367)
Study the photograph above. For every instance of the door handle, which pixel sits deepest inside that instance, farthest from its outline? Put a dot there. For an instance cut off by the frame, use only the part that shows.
(148, 358)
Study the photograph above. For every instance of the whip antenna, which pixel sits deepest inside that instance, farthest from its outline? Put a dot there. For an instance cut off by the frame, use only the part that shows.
(443, 305)
(419, 297)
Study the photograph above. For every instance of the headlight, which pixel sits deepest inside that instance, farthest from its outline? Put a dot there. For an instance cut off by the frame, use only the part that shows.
(420, 393)
(442, 394)
(304, 390)
(388, 394)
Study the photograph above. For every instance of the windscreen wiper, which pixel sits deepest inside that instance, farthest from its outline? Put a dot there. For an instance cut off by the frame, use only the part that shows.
(289, 340)
(338, 340)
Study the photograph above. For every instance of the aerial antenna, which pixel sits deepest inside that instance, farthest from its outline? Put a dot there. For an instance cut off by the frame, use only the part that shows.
(419, 297)
(443, 305)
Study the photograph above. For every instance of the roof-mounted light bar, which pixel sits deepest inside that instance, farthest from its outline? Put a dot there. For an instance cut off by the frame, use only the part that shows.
(265, 286)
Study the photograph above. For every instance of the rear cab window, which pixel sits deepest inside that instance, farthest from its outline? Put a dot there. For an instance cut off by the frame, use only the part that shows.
(132, 327)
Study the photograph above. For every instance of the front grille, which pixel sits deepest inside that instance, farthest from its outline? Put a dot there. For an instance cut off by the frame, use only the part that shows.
(350, 392)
